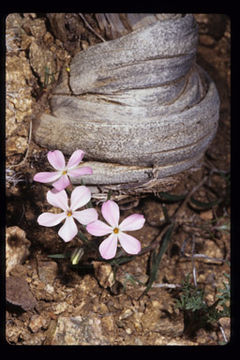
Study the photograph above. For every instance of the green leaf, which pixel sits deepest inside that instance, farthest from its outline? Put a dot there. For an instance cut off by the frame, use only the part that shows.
(82, 236)
(191, 298)
(165, 213)
(226, 275)
(121, 260)
(205, 205)
(57, 256)
(157, 256)
(171, 197)
(89, 204)
(130, 278)
(109, 194)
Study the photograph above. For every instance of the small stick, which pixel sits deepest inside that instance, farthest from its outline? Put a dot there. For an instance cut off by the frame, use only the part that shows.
(90, 27)
(223, 333)
(169, 286)
(203, 256)
(193, 263)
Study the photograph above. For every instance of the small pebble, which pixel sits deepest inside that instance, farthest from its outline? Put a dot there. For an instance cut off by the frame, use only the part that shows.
(36, 323)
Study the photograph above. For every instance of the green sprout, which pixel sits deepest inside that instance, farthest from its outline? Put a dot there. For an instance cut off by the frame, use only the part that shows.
(49, 77)
(197, 313)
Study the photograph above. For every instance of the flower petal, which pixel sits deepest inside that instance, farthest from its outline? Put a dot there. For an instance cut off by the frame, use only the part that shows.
(132, 222)
(111, 213)
(98, 228)
(80, 196)
(56, 159)
(75, 158)
(58, 199)
(62, 183)
(50, 219)
(108, 247)
(68, 230)
(86, 216)
(129, 243)
(84, 170)
(47, 177)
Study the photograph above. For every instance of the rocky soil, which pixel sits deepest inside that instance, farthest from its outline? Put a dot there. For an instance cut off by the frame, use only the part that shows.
(51, 302)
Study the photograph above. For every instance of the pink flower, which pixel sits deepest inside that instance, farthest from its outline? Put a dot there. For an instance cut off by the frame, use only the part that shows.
(80, 196)
(60, 178)
(111, 213)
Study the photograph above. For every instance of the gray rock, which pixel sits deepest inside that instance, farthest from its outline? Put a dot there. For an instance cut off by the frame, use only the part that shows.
(79, 330)
(47, 271)
(18, 293)
(17, 247)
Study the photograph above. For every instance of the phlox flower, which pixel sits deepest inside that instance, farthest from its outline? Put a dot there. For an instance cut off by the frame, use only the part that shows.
(80, 196)
(60, 178)
(111, 213)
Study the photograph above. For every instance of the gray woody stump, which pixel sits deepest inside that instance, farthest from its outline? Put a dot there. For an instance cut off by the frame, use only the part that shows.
(138, 105)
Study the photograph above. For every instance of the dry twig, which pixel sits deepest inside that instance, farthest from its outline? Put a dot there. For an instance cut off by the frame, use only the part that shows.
(193, 263)
(90, 27)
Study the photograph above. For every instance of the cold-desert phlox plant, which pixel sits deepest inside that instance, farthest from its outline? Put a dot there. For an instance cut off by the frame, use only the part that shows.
(81, 196)
(116, 231)
(60, 179)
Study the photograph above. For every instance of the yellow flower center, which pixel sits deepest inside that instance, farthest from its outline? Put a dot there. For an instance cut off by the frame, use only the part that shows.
(64, 172)
(116, 230)
(69, 213)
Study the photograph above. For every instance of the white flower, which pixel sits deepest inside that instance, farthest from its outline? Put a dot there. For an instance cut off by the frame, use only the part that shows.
(80, 196)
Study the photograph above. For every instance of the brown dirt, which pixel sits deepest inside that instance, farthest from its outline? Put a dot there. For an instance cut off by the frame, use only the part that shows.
(88, 303)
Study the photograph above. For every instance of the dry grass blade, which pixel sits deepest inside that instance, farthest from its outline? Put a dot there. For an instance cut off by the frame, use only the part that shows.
(157, 256)
(90, 27)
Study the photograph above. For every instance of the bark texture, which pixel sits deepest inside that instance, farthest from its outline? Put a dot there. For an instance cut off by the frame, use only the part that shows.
(135, 103)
